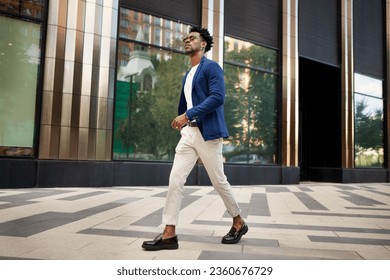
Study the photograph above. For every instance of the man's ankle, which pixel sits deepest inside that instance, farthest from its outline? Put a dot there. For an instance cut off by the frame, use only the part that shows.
(169, 232)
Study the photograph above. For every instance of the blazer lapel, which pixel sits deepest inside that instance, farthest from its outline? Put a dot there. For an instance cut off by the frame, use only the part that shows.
(197, 72)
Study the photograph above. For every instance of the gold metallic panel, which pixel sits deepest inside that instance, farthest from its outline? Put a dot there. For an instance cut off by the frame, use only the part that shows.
(75, 115)
(111, 84)
(95, 80)
(83, 144)
(92, 144)
(387, 86)
(93, 112)
(101, 143)
(44, 141)
(47, 101)
(81, 15)
(77, 78)
(105, 52)
(51, 41)
(112, 4)
(107, 22)
(213, 20)
(64, 149)
(48, 81)
(285, 102)
(205, 12)
(104, 80)
(218, 38)
(108, 153)
(79, 46)
(217, 7)
(56, 14)
(61, 15)
(114, 24)
(56, 109)
(74, 143)
(110, 115)
(96, 49)
(71, 20)
(52, 12)
(98, 19)
(347, 74)
(66, 109)
(67, 86)
(84, 111)
(58, 75)
(54, 141)
(113, 54)
(89, 17)
(86, 79)
(70, 47)
(60, 43)
(88, 48)
(80, 58)
(102, 113)
(290, 97)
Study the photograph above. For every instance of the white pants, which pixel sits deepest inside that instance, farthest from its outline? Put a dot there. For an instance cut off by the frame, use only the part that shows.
(191, 147)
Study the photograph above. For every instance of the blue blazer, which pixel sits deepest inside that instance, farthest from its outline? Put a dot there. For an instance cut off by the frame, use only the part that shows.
(208, 97)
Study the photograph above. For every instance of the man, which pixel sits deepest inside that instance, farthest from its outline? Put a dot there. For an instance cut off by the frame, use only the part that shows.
(202, 126)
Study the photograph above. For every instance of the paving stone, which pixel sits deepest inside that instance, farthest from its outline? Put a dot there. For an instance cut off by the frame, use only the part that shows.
(317, 221)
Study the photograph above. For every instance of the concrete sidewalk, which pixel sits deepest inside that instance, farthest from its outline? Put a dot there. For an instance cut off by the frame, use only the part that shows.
(305, 221)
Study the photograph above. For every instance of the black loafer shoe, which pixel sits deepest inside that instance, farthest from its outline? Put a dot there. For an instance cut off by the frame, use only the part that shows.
(160, 244)
(233, 236)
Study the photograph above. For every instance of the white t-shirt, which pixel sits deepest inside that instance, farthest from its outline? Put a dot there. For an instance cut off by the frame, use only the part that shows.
(188, 86)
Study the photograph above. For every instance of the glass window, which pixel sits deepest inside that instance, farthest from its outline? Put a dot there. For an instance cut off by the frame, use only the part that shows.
(124, 23)
(368, 86)
(177, 26)
(147, 92)
(27, 8)
(157, 36)
(369, 141)
(20, 53)
(168, 38)
(250, 55)
(168, 24)
(147, 33)
(251, 103)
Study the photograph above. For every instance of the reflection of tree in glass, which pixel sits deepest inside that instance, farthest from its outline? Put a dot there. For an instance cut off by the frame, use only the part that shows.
(19, 70)
(166, 93)
(368, 134)
(250, 106)
(235, 112)
(152, 111)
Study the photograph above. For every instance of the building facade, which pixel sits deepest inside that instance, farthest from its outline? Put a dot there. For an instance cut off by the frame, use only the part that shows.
(88, 90)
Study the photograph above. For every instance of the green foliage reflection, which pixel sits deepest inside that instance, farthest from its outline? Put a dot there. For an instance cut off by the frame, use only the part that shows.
(251, 104)
(143, 116)
(368, 133)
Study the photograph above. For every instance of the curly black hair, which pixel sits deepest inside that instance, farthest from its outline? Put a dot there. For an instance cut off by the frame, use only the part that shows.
(205, 35)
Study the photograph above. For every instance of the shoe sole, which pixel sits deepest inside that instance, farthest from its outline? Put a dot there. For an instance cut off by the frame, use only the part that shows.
(245, 230)
(165, 247)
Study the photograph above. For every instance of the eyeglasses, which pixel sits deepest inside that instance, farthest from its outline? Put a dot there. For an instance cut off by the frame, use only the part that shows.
(191, 38)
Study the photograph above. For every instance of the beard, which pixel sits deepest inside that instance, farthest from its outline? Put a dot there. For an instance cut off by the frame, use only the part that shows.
(189, 51)
(192, 50)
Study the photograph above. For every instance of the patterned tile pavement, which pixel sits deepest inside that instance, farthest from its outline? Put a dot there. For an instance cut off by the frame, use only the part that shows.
(286, 222)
